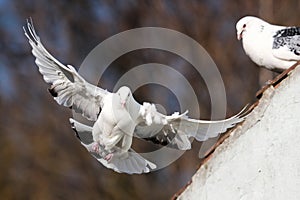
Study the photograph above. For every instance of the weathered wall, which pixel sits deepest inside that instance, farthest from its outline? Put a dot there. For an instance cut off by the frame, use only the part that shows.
(261, 158)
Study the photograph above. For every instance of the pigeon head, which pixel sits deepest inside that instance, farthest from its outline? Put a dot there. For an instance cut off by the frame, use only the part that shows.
(248, 24)
(124, 93)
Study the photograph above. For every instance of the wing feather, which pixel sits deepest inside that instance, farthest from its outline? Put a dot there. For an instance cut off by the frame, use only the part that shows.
(175, 130)
(74, 91)
(286, 44)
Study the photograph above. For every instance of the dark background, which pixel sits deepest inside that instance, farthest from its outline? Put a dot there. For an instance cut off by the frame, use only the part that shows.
(39, 156)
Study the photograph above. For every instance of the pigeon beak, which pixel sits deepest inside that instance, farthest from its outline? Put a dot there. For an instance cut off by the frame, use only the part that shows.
(239, 34)
(123, 103)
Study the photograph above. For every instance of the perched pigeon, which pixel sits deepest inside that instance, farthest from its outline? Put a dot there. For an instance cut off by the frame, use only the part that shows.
(274, 47)
(118, 116)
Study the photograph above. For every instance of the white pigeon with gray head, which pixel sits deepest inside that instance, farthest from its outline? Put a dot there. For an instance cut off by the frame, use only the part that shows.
(271, 46)
(118, 117)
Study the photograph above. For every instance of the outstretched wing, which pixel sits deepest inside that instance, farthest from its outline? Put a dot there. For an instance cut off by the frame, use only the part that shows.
(130, 162)
(175, 130)
(70, 91)
(286, 44)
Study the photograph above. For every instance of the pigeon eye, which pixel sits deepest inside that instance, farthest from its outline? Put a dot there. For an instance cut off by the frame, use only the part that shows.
(244, 26)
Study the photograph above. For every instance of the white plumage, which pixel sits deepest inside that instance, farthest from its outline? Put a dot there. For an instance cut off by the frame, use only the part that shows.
(271, 46)
(118, 116)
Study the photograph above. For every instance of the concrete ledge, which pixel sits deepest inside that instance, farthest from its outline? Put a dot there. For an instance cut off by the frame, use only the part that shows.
(259, 159)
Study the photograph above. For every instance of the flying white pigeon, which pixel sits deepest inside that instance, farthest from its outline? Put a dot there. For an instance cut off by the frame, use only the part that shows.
(275, 47)
(118, 116)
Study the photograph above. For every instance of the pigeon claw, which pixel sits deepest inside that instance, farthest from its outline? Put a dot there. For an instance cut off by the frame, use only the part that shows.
(108, 157)
(96, 147)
